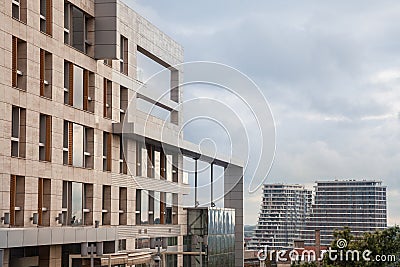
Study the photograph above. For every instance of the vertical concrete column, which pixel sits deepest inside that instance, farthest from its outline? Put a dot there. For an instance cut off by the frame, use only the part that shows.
(233, 186)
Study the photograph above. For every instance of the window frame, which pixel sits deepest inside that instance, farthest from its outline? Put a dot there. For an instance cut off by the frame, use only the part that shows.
(18, 136)
(45, 124)
(46, 16)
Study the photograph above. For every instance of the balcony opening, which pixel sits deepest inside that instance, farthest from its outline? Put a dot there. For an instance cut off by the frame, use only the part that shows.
(165, 82)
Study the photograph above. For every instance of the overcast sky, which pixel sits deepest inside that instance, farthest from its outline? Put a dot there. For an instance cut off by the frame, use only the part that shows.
(330, 72)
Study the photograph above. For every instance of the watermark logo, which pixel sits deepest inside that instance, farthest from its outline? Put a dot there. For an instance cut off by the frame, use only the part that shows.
(341, 243)
(339, 254)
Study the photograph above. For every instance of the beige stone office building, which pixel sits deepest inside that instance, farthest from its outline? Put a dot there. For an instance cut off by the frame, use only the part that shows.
(77, 183)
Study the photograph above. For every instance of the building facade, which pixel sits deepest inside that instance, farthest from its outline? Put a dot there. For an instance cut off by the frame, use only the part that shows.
(284, 209)
(86, 174)
(215, 228)
(359, 205)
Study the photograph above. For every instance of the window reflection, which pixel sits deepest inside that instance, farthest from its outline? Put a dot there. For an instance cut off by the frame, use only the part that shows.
(169, 168)
(77, 204)
(78, 87)
(157, 210)
(144, 208)
(78, 145)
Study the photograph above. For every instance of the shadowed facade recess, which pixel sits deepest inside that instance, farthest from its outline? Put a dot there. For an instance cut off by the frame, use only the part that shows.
(81, 177)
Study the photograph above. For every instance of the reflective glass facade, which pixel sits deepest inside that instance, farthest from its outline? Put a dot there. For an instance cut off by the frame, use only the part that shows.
(214, 230)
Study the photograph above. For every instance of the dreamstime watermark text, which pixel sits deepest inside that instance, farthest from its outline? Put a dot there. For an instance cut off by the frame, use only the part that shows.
(338, 254)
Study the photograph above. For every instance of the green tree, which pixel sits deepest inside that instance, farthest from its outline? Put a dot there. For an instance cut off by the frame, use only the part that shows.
(385, 242)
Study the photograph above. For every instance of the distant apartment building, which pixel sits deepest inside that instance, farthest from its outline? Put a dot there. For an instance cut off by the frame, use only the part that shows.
(84, 173)
(359, 205)
(284, 209)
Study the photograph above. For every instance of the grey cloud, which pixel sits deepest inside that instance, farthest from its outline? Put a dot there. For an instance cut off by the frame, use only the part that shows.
(316, 61)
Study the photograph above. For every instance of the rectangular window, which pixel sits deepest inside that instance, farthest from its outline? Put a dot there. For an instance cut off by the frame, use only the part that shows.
(157, 163)
(142, 243)
(46, 16)
(107, 146)
(175, 168)
(77, 203)
(138, 206)
(45, 138)
(169, 169)
(107, 99)
(106, 205)
(67, 22)
(16, 9)
(168, 204)
(123, 168)
(44, 201)
(88, 147)
(157, 208)
(108, 62)
(138, 158)
(122, 245)
(163, 165)
(88, 204)
(162, 208)
(78, 145)
(45, 73)
(123, 55)
(144, 208)
(78, 29)
(151, 207)
(17, 200)
(18, 132)
(19, 63)
(172, 260)
(89, 89)
(175, 209)
(79, 87)
(123, 103)
(77, 151)
(172, 241)
(19, 10)
(122, 205)
(150, 160)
